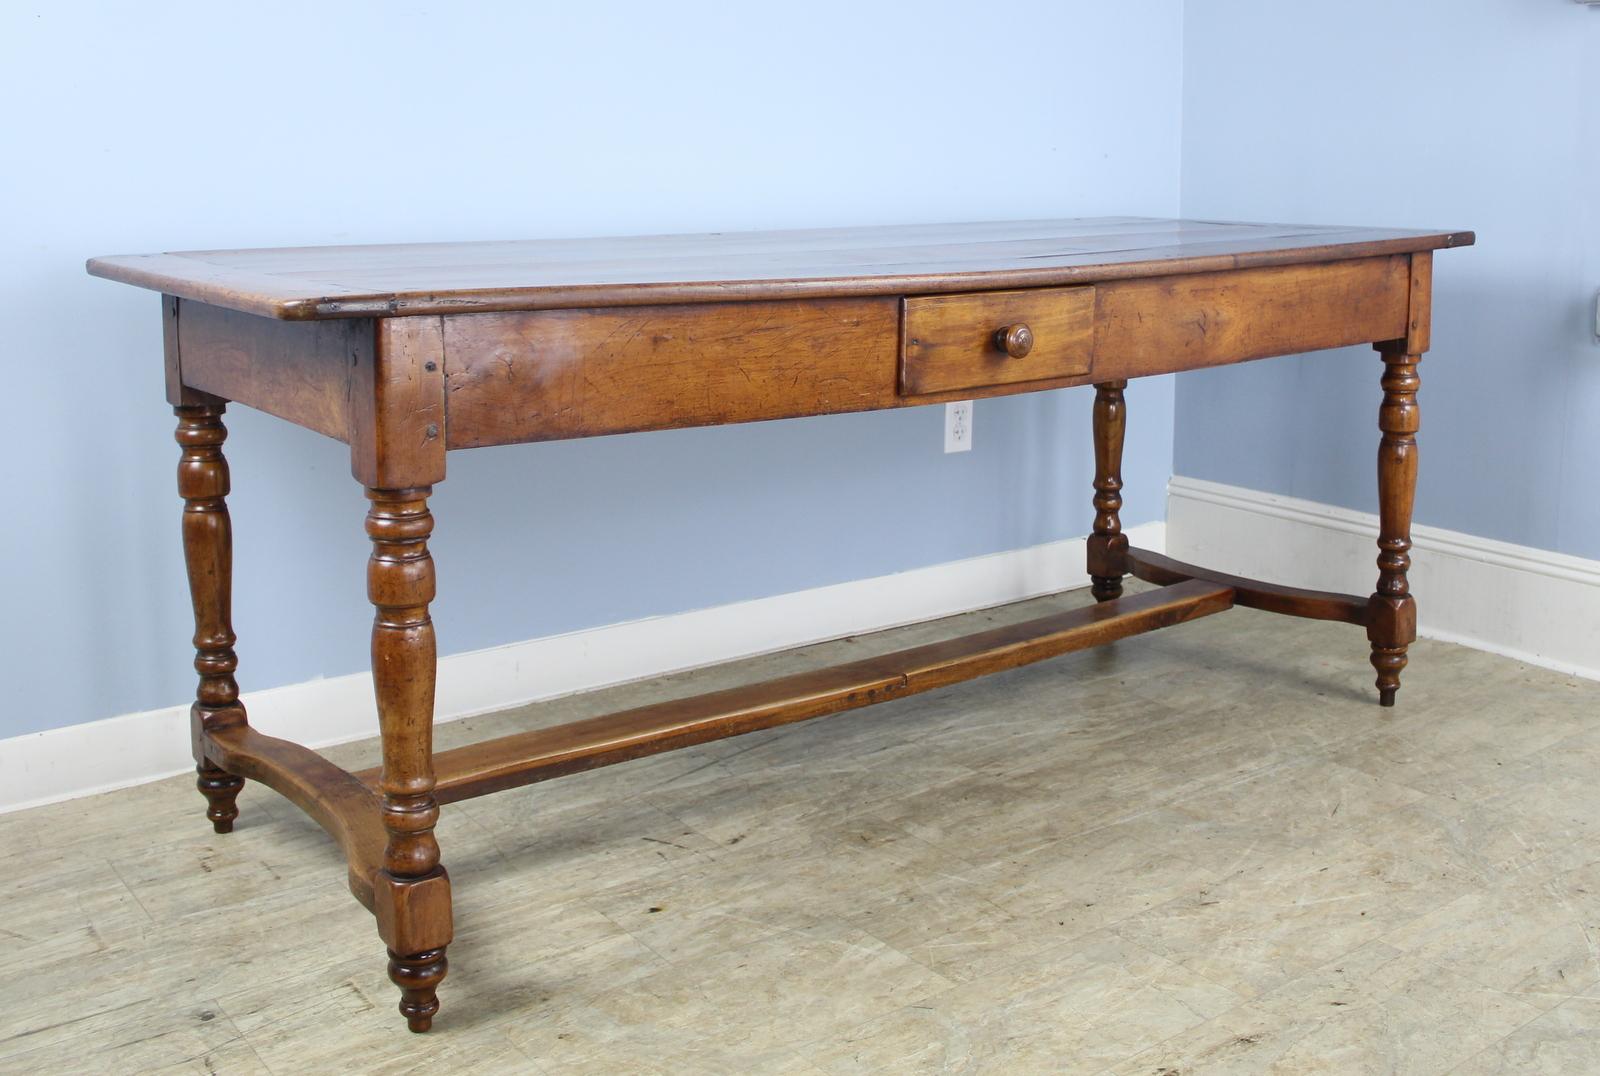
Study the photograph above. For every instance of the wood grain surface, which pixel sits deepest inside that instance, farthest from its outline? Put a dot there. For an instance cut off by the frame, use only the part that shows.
(298, 372)
(1209, 319)
(545, 375)
(434, 278)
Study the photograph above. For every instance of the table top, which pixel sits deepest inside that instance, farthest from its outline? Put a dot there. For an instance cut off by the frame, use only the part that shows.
(296, 283)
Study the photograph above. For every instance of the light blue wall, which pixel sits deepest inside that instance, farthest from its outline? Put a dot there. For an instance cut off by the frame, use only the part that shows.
(146, 127)
(1481, 114)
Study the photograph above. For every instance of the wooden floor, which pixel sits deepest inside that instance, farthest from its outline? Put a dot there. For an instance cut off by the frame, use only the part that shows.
(1204, 850)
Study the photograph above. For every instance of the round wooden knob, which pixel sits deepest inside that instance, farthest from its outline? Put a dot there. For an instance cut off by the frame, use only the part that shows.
(1015, 340)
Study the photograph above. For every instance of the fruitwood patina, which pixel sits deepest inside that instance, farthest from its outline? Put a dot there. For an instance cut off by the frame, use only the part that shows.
(405, 352)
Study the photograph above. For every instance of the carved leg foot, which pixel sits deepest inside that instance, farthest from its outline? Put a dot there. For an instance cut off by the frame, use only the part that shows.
(1108, 546)
(221, 790)
(1392, 611)
(1388, 661)
(418, 976)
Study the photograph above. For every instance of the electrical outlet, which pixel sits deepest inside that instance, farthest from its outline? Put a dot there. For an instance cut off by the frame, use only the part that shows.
(958, 426)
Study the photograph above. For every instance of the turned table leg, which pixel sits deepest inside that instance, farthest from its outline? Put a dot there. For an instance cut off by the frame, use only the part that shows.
(208, 555)
(1392, 612)
(1107, 544)
(412, 891)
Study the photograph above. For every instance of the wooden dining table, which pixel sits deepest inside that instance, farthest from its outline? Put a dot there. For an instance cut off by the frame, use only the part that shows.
(408, 352)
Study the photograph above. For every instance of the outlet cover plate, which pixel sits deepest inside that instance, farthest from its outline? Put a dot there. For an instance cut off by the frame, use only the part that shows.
(958, 426)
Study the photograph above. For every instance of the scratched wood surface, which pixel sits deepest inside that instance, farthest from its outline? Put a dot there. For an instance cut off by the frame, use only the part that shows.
(432, 278)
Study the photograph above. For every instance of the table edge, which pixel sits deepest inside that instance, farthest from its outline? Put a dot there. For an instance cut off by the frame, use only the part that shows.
(271, 297)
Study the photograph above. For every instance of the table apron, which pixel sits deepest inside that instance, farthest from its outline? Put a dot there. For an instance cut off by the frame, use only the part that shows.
(557, 374)
(541, 375)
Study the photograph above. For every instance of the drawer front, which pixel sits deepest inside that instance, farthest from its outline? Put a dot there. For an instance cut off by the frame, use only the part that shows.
(949, 343)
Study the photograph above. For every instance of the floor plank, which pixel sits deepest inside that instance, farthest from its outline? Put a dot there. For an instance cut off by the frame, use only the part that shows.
(1205, 850)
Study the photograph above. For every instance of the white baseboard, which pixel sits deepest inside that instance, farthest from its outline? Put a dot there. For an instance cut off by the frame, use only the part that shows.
(1530, 604)
(98, 756)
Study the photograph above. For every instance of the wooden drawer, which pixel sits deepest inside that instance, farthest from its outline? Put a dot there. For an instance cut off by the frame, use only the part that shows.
(949, 343)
